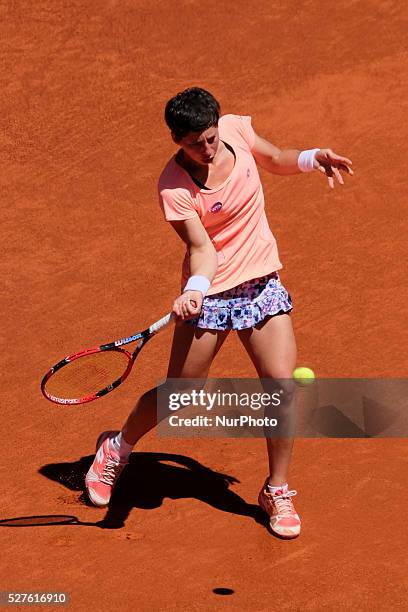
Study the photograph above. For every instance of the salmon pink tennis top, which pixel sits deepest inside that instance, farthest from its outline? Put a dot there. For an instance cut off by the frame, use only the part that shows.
(233, 213)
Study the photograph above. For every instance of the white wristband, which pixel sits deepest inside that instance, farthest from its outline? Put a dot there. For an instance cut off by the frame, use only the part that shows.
(198, 283)
(306, 159)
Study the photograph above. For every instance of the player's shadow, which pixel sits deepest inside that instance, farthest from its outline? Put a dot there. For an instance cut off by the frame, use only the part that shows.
(150, 478)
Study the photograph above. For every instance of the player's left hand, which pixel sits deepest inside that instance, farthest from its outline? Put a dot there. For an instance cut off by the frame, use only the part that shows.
(330, 164)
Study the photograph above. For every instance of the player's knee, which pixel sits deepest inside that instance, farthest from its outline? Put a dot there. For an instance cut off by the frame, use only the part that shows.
(284, 386)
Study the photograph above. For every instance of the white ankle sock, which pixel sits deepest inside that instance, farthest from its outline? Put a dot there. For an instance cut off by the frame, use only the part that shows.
(121, 446)
(283, 487)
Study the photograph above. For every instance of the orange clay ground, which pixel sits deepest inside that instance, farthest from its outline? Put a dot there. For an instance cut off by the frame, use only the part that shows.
(88, 258)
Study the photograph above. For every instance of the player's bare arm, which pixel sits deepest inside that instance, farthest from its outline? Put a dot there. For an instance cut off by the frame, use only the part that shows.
(285, 161)
(203, 262)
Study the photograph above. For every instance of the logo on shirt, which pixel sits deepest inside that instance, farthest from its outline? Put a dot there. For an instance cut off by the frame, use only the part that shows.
(216, 207)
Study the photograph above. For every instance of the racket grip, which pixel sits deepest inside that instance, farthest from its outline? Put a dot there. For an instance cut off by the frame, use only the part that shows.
(161, 323)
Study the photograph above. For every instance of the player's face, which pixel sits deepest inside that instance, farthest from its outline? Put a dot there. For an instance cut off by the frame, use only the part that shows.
(201, 147)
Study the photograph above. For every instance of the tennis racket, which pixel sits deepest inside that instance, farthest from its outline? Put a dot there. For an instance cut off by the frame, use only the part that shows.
(92, 373)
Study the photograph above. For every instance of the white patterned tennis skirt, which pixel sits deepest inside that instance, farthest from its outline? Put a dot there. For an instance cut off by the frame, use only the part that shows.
(245, 305)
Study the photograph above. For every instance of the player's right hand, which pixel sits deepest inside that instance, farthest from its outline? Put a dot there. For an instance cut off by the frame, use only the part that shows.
(187, 306)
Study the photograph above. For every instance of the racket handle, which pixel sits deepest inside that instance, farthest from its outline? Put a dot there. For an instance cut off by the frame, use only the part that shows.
(165, 321)
(161, 323)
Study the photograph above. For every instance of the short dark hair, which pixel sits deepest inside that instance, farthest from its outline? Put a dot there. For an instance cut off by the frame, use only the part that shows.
(191, 110)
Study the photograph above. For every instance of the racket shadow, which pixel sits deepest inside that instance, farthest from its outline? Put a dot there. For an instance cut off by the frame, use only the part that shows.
(45, 520)
(152, 477)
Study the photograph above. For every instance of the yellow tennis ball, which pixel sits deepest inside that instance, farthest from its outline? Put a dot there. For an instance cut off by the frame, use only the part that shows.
(304, 376)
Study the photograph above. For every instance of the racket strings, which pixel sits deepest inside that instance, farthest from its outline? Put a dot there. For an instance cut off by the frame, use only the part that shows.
(87, 374)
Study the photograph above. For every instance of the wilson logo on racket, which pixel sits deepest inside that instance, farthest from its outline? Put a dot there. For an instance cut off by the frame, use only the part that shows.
(216, 207)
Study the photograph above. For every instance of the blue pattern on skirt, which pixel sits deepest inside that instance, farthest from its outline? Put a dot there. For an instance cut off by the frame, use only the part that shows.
(245, 305)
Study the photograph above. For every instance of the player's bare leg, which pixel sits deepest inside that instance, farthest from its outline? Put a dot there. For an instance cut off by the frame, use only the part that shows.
(272, 348)
(192, 353)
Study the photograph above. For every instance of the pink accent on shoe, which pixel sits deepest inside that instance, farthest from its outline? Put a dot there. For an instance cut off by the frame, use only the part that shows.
(104, 471)
(283, 518)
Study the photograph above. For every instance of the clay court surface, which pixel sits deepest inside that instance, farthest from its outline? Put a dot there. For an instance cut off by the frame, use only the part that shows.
(88, 258)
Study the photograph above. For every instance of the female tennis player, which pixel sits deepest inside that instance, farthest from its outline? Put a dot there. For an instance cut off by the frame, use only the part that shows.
(211, 194)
